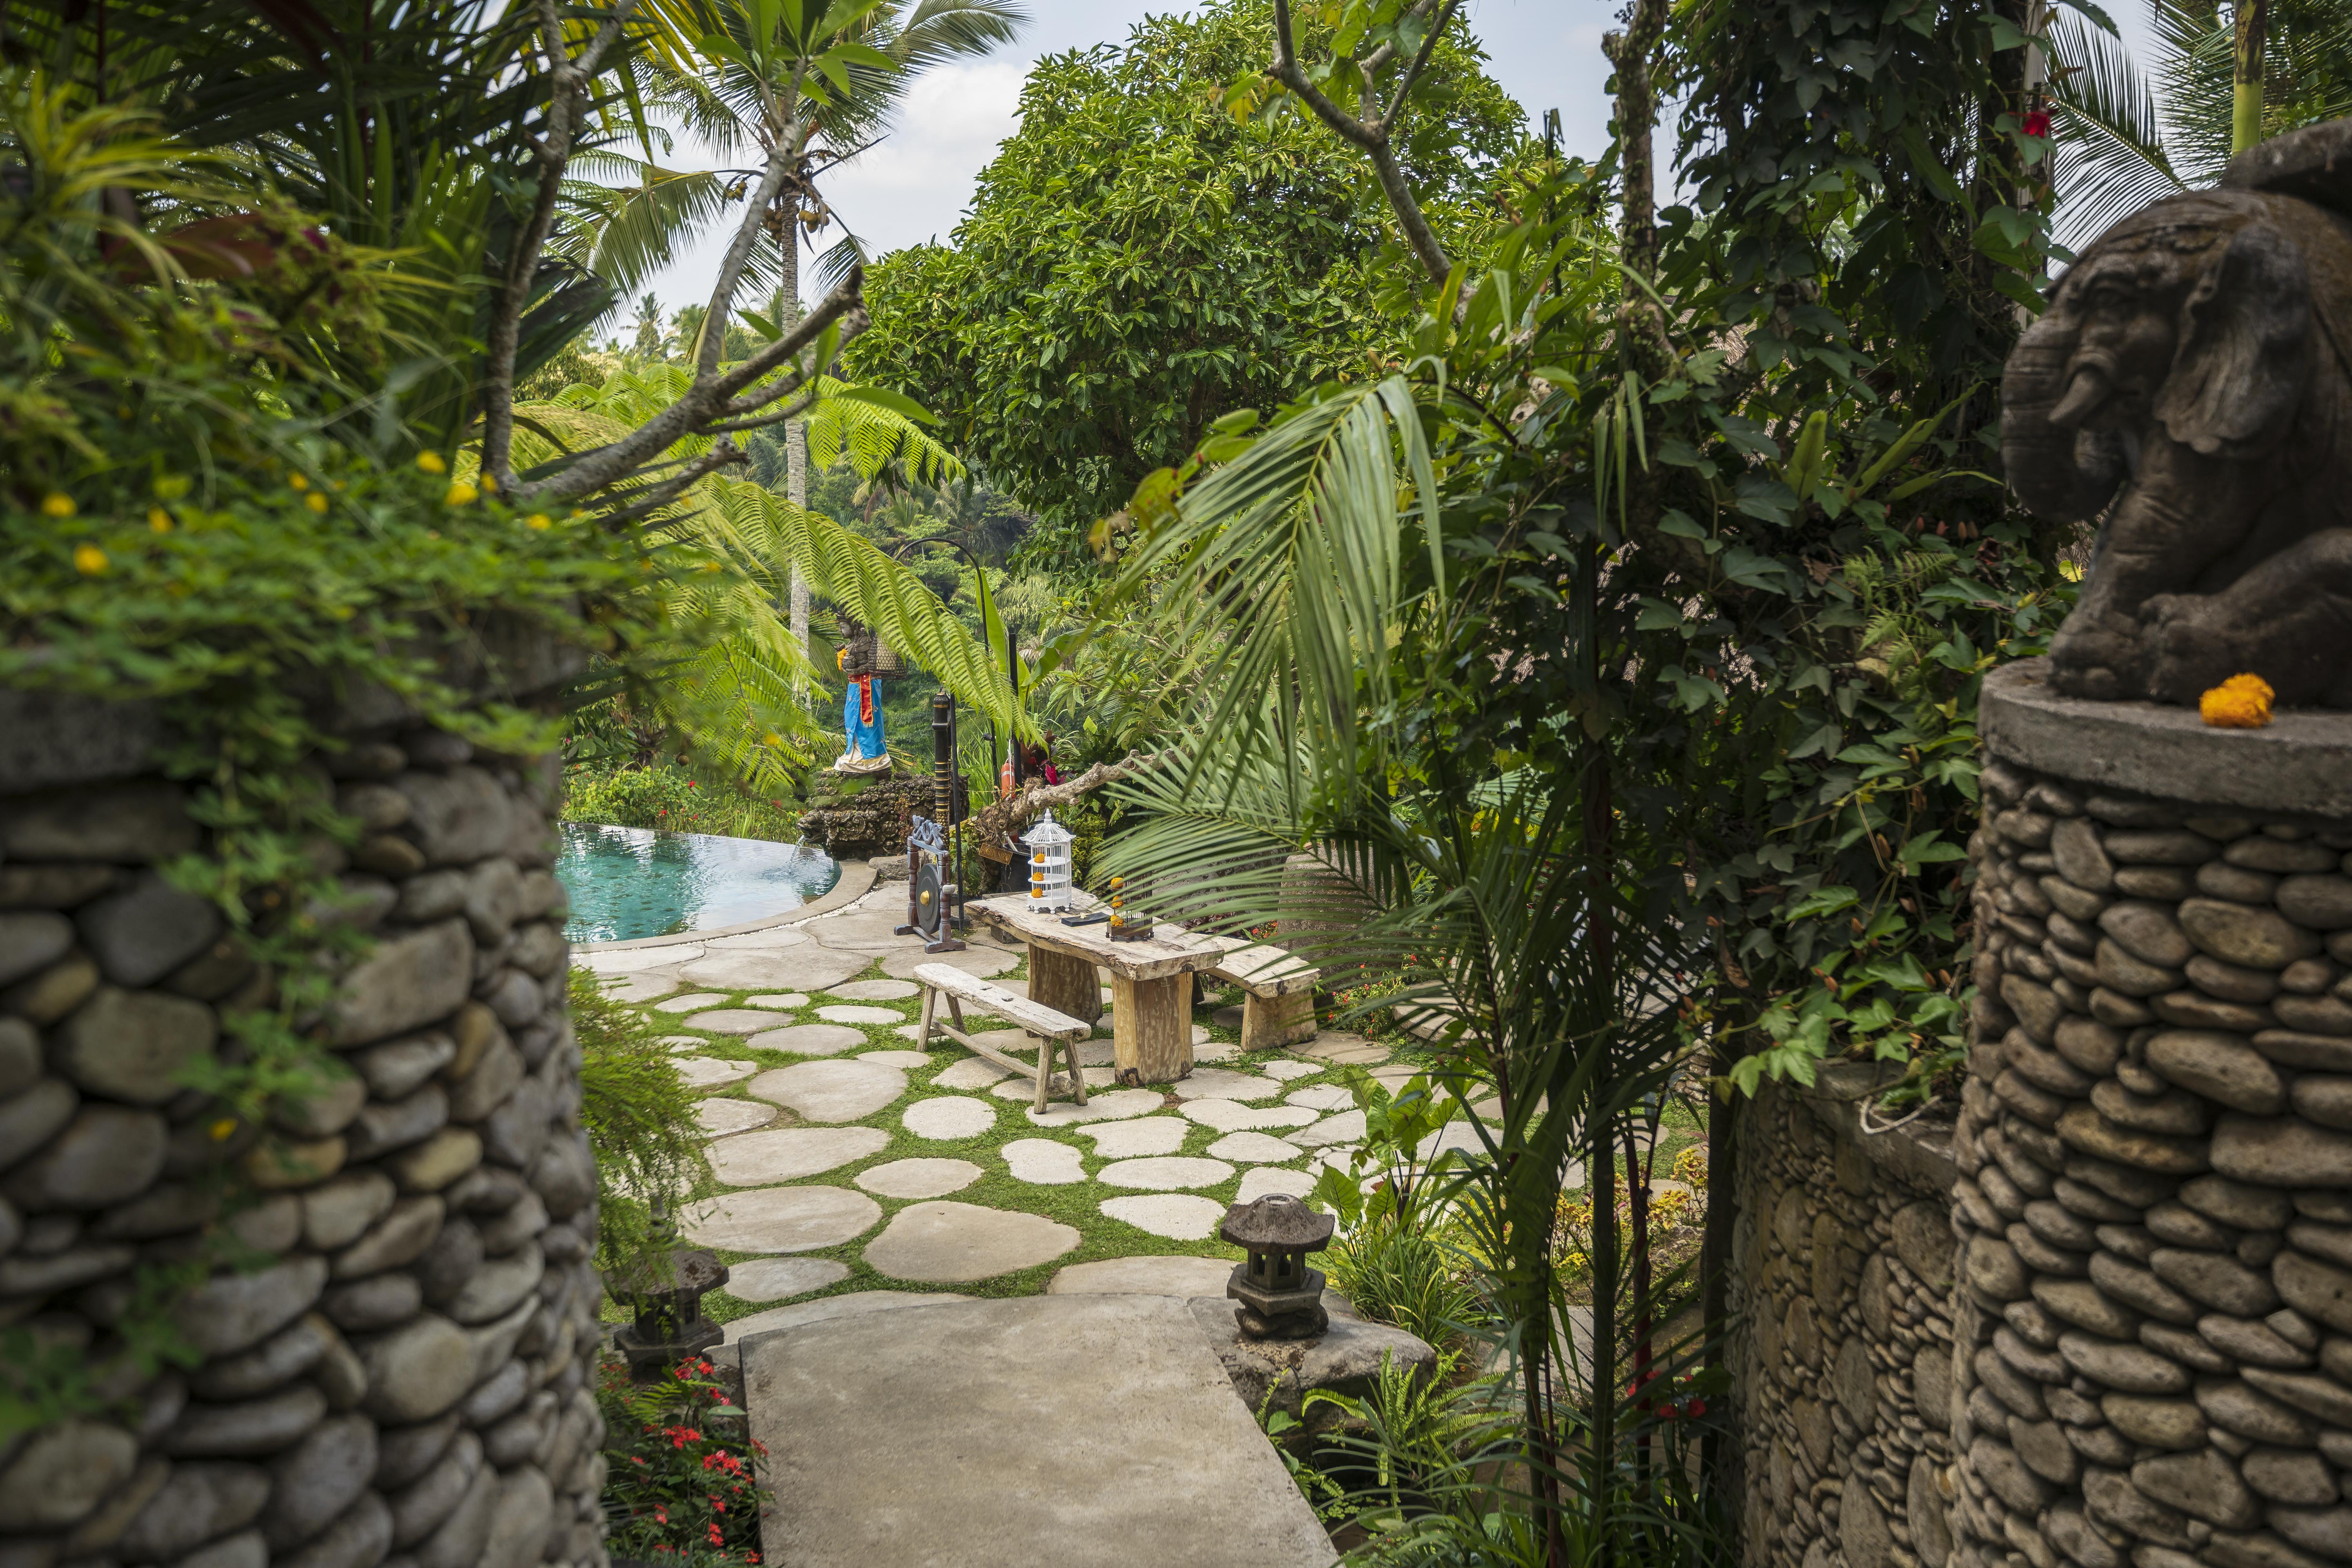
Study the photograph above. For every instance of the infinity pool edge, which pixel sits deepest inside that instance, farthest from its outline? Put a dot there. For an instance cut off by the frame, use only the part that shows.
(856, 879)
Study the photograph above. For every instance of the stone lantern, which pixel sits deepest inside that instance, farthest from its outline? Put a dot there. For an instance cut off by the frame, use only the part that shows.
(1281, 1298)
(665, 1292)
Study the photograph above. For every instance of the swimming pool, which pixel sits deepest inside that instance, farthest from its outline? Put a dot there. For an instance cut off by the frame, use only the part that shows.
(631, 882)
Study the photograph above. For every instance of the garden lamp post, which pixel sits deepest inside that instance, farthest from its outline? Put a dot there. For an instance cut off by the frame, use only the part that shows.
(1281, 1298)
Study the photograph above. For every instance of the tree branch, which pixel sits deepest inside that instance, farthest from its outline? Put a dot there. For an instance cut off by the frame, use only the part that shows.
(1372, 137)
(1002, 818)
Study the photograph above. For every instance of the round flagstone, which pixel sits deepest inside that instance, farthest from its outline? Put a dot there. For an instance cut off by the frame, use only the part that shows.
(952, 1242)
(1116, 1106)
(1455, 1136)
(1231, 1116)
(972, 1072)
(851, 1013)
(1227, 1017)
(1011, 1041)
(809, 1039)
(832, 1091)
(1254, 1149)
(978, 962)
(685, 1042)
(774, 1279)
(1347, 1127)
(1338, 1157)
(875, 990)
(1340, 1048)
(788, 999)
(1043, 1162)
(1222, 1083)
(737, 1020)
(637, 987)
(1129, 1140)
(710, 1072)
(1283, 1066)
(757, 1159)
(897, 1059)
(767, 939)
(1264, 1178)
(1025, 1088)
(949, 1116)
(844, 1305)
(807, 967)
(1322, 1096)
(1215, 1051)
(910, 1031)
(920, 1178)
(690, 1002)
(869, 930)
(1179, 1217)
(780, 1219)
(722, 1117)
(636, 959)
(1165, 1276)
(1165, 1174)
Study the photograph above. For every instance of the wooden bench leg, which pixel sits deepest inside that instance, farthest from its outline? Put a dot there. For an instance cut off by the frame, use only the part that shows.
(955, 1011)
(930, 1011)
(1044, 1066)
(1078, 1075)
(1270, 1021)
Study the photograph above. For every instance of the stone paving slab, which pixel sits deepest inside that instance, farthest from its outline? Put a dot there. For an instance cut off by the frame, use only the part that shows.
(687, 1004)
(1284, 1068)
(980, 961)
(1254, 1149)
(807, 967)
(710, 1072)
(920, 1178)
(1133, 1140)
(1222, 1083)
(831, 1090)
(638, 987)
(855, 1012)
(943, 1243)
(1042, 1163)
(1262, 1179)
(1167, 1173)
(897, 1059)
(756, 1158)
(1322, 1096)
(780, 1219)
(738, 1020)
(783, 1002)
(1146, 1276)
(768, 941)
(1040, 1431)
(972, 1072)
(856, 1303)
(636, 959)
(1340, 1049)
(773, 1278)
(1026, 1087)
(1179, 1217)
(875, 991)
(722, 1117)
(1347, 1127)
(949, 1116)
(1116, 1106)
(1232, 1116)
(809, 1039)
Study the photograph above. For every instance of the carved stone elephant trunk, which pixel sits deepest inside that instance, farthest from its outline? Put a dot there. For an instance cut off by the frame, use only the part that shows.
(2191, 381)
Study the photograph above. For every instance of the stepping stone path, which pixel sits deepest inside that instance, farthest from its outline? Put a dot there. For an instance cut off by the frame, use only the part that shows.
(738, 1020)
(875, 990)
(852, 1013)
(951, 1242)
(1043, 1162)
(780, 1219)
(950, 1116)
(710, 1072)
(920, 1178)
(809, 1039)
(857, 1195)
(774, 1279)
(1176, 1215)
(1165, 1174)
(690, 1002)
(1026, 1087)
(722, 1117)
(1129, 1140)
(757, 1159)
(1254, 1149)
(1232, 1116)
(832, 1091)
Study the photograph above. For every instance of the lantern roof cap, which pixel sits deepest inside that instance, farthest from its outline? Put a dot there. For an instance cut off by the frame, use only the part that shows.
(1045, 830)
(1276, 1222)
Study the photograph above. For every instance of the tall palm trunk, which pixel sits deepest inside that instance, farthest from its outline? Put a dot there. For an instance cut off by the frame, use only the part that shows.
(795, 432)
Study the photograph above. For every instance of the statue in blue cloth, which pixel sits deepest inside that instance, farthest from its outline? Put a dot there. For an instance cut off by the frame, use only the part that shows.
(861, 706)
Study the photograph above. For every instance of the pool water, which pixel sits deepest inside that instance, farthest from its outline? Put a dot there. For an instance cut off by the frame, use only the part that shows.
(631, 882)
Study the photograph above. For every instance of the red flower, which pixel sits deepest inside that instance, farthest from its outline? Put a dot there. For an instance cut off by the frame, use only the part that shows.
(2037, 122)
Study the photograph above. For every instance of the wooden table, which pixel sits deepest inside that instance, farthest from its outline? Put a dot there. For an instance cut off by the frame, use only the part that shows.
(1150, 981)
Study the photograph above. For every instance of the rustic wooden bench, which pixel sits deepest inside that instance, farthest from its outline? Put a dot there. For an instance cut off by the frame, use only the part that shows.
(1047, 1026)
(1278, 1008)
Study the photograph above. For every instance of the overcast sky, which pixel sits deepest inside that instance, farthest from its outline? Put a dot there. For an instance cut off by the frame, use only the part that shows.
(915, 185)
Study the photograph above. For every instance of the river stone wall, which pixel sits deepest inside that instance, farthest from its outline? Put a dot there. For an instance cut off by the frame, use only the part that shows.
(1841, 1362)
(395, 1317)
(2154, 1321)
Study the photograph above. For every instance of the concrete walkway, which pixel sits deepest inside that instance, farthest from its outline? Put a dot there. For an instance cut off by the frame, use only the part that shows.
(1056, 1431)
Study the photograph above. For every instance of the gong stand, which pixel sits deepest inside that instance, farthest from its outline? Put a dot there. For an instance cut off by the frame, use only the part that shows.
(928, 864)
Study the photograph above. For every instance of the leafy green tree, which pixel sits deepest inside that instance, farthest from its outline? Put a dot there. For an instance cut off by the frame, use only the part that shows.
(1138, 262)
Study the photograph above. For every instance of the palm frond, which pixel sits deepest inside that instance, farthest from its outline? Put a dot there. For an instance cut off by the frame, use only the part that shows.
(2110, 155)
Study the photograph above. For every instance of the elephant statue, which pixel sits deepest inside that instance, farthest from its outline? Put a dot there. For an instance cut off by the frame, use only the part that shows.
(2191, 386)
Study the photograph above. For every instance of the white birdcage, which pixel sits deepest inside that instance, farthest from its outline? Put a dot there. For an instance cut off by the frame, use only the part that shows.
(1049, 865)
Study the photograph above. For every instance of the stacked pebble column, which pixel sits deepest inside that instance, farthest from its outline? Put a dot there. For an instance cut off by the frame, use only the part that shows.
(2154, 1313)
(395, 1330)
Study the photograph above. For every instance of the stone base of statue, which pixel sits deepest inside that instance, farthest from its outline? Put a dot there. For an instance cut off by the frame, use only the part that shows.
(855, 767)
(2152, 1317)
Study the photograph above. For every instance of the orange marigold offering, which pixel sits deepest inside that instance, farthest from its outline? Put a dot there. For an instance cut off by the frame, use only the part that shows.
(2240, 703)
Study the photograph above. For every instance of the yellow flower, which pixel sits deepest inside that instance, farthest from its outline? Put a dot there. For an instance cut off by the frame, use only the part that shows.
(300, 481)
(159, 520)
(89, 559)
(772, 738)
(462, 494)
(171, 487)
(2240, 703)
(57, 504)
(537, 519)
(316, 501)
(431, 463)
(224, 1130)
(710, 567)
(490, 484)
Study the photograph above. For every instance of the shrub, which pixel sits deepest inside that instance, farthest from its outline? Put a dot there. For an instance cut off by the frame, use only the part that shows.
(675, 1487)
(668, 797)
(1408, 1276)
(640, 1119)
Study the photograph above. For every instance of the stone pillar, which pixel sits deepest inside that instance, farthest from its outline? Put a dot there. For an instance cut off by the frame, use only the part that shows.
(2153, 1363)
(392, 1312)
